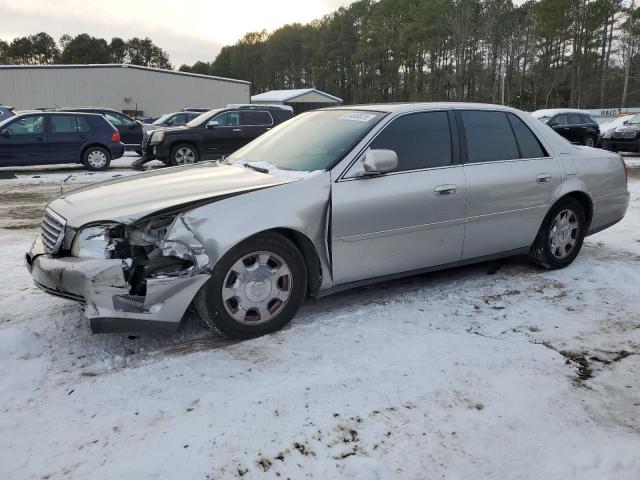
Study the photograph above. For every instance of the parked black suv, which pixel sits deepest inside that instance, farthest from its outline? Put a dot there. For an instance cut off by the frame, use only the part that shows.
(576, 126)
(213, 134)
(130, 129)
(39, 138)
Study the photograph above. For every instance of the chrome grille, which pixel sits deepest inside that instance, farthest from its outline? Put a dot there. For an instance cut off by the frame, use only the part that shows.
(52, 231)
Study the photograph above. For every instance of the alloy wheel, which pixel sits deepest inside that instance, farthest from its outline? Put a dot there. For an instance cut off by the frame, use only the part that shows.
(564, 233)
(185, 156)
(256, 288)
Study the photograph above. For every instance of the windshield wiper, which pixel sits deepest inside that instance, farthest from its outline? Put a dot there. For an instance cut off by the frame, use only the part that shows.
(257, 169)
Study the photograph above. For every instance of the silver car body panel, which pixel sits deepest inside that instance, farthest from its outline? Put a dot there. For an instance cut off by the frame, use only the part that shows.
(359, 229)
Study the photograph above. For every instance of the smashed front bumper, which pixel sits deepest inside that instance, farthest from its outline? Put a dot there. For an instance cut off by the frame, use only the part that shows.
(100, 285)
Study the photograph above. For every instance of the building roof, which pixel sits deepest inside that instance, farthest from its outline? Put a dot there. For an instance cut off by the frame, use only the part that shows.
(287, 95)
(420, 106)
(121, 65)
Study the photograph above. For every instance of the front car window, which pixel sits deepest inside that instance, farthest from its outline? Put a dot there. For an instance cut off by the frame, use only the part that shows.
(27, 126)
(202, 119)
(228, 119)
(421, 140)
(575, 119)
(312, 141)
(162, 119)
(559, 120)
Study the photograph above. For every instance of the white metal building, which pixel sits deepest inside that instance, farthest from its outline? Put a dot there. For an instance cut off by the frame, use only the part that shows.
(130, 89)
(301, 100)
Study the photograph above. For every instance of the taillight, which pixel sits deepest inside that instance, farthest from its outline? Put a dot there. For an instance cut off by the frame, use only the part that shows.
(115, 137)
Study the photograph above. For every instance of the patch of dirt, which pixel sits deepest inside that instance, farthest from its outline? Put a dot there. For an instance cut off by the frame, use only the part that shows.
(9, 197)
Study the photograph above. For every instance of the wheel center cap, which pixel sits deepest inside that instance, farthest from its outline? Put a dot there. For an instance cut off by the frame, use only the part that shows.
(564, 234)
(258, 289)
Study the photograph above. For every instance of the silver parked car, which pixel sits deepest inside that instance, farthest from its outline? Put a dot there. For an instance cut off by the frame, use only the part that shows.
(329, 200)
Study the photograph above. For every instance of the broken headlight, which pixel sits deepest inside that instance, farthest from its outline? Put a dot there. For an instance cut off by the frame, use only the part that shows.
(181, 242)
(93, 242)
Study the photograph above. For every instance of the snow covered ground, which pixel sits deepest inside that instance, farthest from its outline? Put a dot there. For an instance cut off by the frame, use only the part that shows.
(494, 371)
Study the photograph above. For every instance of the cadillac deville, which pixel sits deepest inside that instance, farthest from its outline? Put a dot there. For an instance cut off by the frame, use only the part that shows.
(332, 199)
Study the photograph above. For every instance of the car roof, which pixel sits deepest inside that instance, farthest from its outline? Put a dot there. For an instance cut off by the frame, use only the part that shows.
(412, 106)
(57, 113)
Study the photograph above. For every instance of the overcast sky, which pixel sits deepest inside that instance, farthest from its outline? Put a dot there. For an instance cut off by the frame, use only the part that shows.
(189, 30)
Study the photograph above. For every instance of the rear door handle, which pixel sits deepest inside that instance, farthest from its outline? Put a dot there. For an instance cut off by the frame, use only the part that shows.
(543, 178)
(445, 190)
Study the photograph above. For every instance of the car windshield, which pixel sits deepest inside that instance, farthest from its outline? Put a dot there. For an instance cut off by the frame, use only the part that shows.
(163, 119)
(202, 118)
(6, 121)
(311, 141)
(635, 120)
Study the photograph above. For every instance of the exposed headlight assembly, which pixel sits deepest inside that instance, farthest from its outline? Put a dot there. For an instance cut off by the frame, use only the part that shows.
(157, 136)
(93, 242)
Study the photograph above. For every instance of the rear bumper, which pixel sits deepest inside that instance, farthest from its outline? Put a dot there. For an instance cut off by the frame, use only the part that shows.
(101, 286)
(608, 210)
(116, 150)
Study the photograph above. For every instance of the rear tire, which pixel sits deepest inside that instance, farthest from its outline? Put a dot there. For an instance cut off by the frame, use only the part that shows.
(561, 234)
(96, 158)
(184, 154)
(255, 289)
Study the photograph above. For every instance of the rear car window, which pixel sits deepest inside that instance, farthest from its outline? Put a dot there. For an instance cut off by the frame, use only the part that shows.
(63, 124)
(575, 119)
(256, 118)
(83, 124)
(528, 143)
(489, 136)
(559, 120)
(421, 140)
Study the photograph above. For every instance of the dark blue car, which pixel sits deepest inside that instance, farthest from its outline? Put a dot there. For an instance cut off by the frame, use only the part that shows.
(40, 138)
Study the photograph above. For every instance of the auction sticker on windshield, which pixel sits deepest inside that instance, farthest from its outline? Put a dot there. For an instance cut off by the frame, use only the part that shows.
(358, 117)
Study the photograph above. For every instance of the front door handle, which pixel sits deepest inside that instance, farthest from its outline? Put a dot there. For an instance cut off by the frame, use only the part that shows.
(543, 178)
(445, 190)
(237, 129)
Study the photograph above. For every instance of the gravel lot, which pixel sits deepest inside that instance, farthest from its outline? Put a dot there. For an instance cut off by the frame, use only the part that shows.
(494, 371)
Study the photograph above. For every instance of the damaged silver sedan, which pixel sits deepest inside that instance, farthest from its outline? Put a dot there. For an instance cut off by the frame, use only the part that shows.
(329, 200)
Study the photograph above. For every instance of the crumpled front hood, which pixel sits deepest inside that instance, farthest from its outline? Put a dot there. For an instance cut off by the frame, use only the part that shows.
(128, 199)
(628, 128)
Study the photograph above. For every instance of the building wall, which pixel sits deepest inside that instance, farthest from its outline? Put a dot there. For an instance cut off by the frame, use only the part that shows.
(151, 91)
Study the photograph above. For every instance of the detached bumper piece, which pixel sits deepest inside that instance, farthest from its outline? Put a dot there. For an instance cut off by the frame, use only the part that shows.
(100, 284)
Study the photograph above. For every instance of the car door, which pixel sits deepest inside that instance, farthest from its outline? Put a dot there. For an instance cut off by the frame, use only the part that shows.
(511, 180)
(578, 128)
(64, 138)
(223, 134)
(254, 124)
(24, 141)
(408, 219)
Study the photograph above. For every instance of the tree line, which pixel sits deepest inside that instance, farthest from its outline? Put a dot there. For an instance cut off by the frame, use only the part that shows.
(541, 53)
(42, 49)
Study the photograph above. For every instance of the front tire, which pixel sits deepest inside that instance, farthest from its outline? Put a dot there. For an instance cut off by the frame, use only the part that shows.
(590, 141)
(96, 159)
(560, 237)
(255, 289)
(184, 154)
